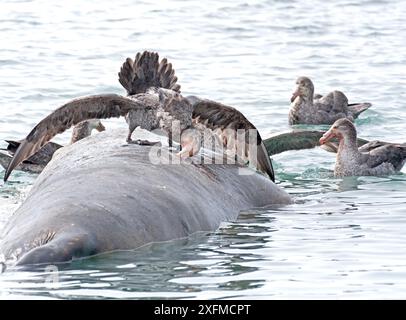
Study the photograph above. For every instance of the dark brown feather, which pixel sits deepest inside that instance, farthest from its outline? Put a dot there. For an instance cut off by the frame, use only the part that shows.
(42, 157)
(215, 115)
(68, 115)
(147, 72)
(389, 153)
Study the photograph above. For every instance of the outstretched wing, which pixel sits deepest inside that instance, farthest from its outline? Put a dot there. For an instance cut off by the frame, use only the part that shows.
(217, 116)
(68, 115)
(145, 72)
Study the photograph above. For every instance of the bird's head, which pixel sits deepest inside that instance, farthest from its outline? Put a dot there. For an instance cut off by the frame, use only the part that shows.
(95, 124)
(304, 89)
(341, 129)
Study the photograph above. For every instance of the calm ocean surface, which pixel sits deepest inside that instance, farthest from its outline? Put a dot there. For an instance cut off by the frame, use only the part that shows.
(343, 238)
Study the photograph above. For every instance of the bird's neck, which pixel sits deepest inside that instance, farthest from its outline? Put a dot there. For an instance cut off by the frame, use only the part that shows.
(307, 99)
(301, 101)
(300, 109)
(347, 150)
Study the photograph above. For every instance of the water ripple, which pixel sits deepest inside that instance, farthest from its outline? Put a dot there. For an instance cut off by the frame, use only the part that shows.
(342, 238)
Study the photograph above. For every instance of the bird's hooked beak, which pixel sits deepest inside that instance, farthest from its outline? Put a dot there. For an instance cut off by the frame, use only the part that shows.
(100, 127)
(330, 134)
(295, 94)
(190, 143)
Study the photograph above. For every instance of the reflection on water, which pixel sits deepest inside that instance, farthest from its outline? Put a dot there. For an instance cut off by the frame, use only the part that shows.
(342, 238)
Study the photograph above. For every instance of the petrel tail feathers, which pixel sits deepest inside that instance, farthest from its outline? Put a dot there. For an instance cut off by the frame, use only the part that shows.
(357, 108)
(145, 72)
